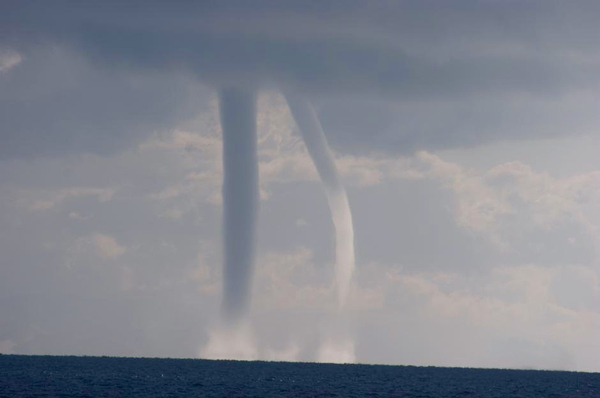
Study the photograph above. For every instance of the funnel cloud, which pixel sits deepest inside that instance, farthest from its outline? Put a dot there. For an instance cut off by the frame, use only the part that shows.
(317, 146)
(240, 197)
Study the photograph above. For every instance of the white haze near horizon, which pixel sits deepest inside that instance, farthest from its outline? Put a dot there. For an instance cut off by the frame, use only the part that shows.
(476, 216)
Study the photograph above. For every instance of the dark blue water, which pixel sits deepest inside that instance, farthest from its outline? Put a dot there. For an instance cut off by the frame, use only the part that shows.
(48, 376)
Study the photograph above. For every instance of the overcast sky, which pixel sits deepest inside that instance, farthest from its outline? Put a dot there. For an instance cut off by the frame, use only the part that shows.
(466, 134)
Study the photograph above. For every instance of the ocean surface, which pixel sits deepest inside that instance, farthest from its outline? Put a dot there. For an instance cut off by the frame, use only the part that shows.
(63, 376)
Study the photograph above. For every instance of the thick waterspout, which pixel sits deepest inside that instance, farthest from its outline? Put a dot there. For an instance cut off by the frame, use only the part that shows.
(240, 198)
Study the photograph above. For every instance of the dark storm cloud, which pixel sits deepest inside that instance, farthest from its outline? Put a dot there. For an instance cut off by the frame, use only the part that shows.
(391, 51)
(409, 49)
(57, 103)
(402, 127)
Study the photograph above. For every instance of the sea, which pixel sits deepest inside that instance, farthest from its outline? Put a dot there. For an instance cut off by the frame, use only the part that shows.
(70, 376)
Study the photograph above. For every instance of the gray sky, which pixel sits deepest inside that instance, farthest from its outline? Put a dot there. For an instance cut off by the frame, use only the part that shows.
(466, 134)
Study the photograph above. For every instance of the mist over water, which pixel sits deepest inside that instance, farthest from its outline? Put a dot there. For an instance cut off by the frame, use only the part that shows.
(319, 151)
(240, 198)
